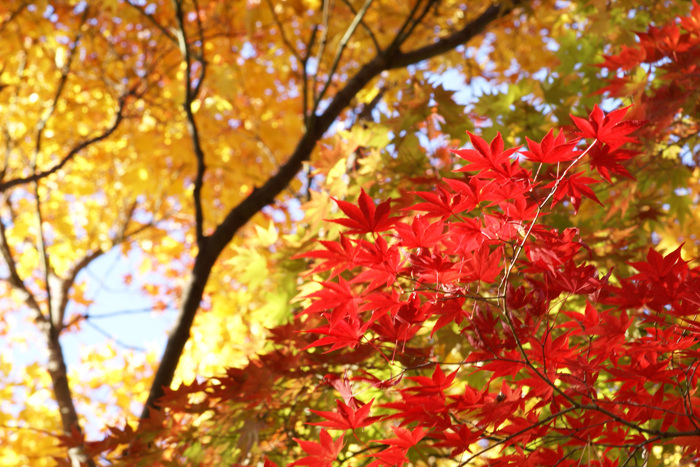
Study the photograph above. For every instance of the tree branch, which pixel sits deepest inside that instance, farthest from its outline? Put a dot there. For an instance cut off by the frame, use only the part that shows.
(341, 48)
(455, 39)
(16, 281)
(73, 152)
(190, 96)
(365, 27)
(265, 195)
(153, 21)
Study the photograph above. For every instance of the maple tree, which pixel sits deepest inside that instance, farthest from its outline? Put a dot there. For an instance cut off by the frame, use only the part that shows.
(552, 360)
(460, 311)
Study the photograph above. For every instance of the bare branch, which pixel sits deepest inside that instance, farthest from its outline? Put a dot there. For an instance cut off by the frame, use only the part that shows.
(13, 15)
(45, 265)
(400, 37)
(72, 153)
(112, 338)
(118, 313)
(63, 286)
(455, 39)
(190, 96)
(321, 46)
(516, 434)
(16, 281)
(367, 29)
(41, 125)
(341, 48)
(153, 21)
(305, 77)
(283, 34)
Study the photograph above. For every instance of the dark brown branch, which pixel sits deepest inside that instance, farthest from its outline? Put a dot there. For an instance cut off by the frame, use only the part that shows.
(72, 153)
(305, 77)
(341, 48)
(321, 45)
(56, 365)
(283, 34)
(265, 195)
(190, 96)
(455, 39)
(395, 44)
(153, 21)
(16, 281)
(13, 15)
(415, 22)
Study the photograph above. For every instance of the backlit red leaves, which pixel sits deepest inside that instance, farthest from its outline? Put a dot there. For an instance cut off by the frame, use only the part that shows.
(346, 418)
(489, 160)
(396, 454)
(610, 129)
(607, 161)
(437, 384)
(366, 217)
(405, 439)
(321, 454)
(551, 149)
(344, 333)
(475, 266)
(574, 187)
(485, 265)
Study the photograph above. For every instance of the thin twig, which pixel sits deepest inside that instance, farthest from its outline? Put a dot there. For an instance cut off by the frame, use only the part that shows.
(367, 29)
(112, 338)
(321, 47)
(283, 34)
(341, 48)
(73, 152)
(517, 433)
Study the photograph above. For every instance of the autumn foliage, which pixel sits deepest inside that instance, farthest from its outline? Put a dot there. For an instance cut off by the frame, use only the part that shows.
(459, 325)
(512, 284)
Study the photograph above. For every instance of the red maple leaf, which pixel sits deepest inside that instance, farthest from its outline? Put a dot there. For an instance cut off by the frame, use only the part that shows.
(658, 268)
(575, 186)
(604, 160)
(459, 439)
(339, 256)
(485, 264)
(488, 160)
(433, 385)
(346, 418)
(344, 387)
(552, 149)
(442, 203)
(610, 129)
(392, 457)
(628, 58)
(344, 333)
(338, 297)
(320, 454)
(365, 217)
(405, 438)
(420, 233)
